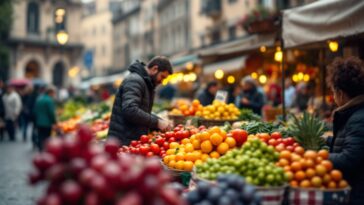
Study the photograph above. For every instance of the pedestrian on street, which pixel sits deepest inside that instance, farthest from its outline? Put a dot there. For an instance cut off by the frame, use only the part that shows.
(131, 113)
(289, 93)
(250, 97)
(13, 106)
(25, 114)
(207, 96)
(302, 97)
(346, 79)
(2, 110)
(45, 115)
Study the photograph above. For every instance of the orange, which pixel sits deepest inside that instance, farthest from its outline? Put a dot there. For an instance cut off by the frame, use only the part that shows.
(216, 139)
(206, 146)
(285, 154)
(290, 175)
(305, 183)
(310, 173)
(196, 136)
(190, 157)
(185, 141)
(327, 164)
(283, 162)
(309, 163)
(195, 103)
(204, 136)
(173, 145)
(204, 157)
(324, 154)
(171, 151)
(196, 144)
(223, 134)
(180, 157)
(287, 168)
(188, 165)
(299, 150)
(166, 159)
(336, 175)
(293, 183)
(214, 154)
(180, 165)
(193, 137)
(223, 148)
(296, 166)
(319, 160)
(215, 130)
(189, 147)
(172, 164)
(331, 185)
(316, 182)
(295, 157)
(343, 184)
(320, 170)
(198, 162)
(326, 179)
(310, 154)
(197, 154)
(231, 142)
(300, 175)
(302, 161)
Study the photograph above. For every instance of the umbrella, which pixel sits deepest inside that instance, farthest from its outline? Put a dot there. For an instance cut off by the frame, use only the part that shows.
(38, 82)
(19, 82)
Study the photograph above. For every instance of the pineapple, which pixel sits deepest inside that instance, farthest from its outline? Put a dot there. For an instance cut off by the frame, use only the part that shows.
(307, 131)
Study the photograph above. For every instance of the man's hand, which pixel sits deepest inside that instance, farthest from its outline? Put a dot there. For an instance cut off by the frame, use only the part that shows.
(164, 125)
(245, 101)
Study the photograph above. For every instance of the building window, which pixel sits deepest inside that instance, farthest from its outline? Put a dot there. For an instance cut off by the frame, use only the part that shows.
(215, 37)
(232, 32)
(33, 18)
(60, 19)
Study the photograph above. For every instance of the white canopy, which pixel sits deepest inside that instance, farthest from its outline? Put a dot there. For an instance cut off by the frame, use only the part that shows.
(227, 65)
(322, 20)
(103, 80)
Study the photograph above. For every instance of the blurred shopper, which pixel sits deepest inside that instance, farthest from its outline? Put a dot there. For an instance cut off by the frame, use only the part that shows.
(233, 93)
(26, 110)
(250, 97)
(274, 94)
(131, 113)
(167, 92)
(2, 111)
(289, 93)
(302, 97)
(105, 94)
(45, 115)
(346, 79)
(208, 95)
(12, 106)
(37, 91)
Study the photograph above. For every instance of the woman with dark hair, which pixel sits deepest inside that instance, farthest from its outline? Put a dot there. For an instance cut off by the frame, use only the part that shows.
(346, 79)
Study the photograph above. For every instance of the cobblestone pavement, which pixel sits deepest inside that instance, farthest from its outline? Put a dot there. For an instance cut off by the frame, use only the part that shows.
(15, 164)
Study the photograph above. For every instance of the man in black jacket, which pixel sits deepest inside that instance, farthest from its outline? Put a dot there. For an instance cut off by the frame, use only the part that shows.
(131, 113)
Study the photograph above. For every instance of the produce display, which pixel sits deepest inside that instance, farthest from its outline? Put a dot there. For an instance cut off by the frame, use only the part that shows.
(78, 172)
(310, 169)
(157, 143)
(255, 161)
(211, 143)
(229, 190)
(217, 111)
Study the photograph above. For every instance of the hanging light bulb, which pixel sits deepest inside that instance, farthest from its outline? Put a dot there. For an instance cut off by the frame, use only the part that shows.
(219, 74)
(334, 46)
(231, 79)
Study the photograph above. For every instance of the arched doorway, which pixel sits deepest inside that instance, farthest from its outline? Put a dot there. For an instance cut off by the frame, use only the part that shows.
(58, 74)
(32, 69)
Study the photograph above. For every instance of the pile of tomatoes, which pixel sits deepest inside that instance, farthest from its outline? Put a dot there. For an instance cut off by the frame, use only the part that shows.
(157, 143)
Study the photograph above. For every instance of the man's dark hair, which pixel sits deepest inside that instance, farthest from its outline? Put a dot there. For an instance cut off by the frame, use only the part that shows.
(162, 62)
(211, 84)
(347, 74)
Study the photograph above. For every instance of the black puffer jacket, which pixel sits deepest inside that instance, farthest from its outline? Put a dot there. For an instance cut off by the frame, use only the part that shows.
(347, 147)
(131, 113)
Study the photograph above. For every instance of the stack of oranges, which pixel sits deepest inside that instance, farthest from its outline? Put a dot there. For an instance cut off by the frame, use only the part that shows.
(195, 150)
(310, 169)
(186, 109)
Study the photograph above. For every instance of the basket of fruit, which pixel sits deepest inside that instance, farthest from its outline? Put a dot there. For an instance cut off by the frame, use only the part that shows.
(217, 114)
(211, 123)
(319, 196)
(182, 176)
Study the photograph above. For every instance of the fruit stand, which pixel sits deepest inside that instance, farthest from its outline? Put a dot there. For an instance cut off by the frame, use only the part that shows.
(245, 162)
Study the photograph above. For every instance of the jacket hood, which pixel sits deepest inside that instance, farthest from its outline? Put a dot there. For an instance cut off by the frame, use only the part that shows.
(139, 68)
(357, 101)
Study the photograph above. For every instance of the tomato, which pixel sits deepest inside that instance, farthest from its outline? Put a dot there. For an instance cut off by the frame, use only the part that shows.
(296, 144)
(162, 153)
(134, 143)
(144, 138)
(155, 148)
(240, 136)
(160, 141)
(144, 149)
(176, 129)
(185, 134)
(166, 145)
(264, 137)
(280, 140)
(273, 142)
(288, 141)
(276, 135)
(202, 127)
(290, 148)
(172, 139)
(170, 134)
(150, 154)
